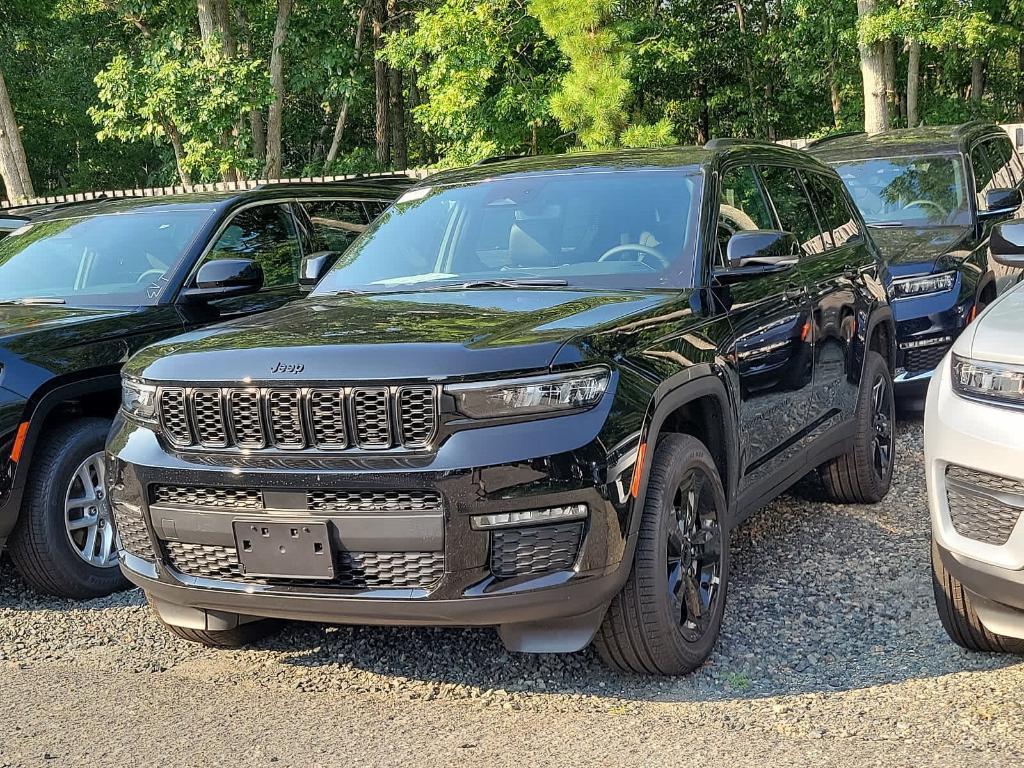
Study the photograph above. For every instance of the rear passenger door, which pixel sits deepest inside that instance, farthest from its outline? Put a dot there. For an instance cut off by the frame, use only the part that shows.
(768, 315)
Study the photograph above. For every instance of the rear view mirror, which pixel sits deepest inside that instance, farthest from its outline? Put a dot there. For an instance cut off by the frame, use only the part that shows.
(315, 266)
(226, 277)
(758, 252)
(1001, 202)
(1007, 244)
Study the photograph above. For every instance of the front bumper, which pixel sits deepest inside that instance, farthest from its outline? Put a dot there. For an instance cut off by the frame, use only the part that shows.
(926, 328)
(538, 609)
(975, 475)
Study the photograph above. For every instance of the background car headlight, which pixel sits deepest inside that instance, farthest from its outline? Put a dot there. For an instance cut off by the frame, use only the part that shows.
(138, 400)
(988, 381)
(910, 287)
(536, 394)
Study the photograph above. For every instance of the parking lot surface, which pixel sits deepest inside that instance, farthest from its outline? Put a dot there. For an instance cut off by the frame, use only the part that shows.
(831, 654)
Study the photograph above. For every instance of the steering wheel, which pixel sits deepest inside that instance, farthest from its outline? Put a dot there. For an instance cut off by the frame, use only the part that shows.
(926, 204)
(150, 274)
(644, 250)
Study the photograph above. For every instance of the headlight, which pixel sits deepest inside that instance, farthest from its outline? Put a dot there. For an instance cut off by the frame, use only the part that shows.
(911, 287)
(138, 400)
(988, 381)
(536, 394)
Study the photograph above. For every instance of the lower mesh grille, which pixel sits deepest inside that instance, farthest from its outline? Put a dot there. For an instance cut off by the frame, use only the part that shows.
(983, 507)
(134, 535)
(355, 570)
(189, 496)
(372, 501)
(924, 358)
(538, 549)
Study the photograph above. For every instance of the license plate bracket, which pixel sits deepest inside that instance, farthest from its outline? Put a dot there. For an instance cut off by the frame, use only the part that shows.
(284, 549)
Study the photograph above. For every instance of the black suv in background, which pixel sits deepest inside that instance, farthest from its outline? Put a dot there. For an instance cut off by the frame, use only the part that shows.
(931, 197)
(535, 395)
(84, 286)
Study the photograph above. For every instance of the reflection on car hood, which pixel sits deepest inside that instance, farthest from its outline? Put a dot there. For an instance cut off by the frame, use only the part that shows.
(48, 325)
(912, 250)
(414, 335)
(997, 332)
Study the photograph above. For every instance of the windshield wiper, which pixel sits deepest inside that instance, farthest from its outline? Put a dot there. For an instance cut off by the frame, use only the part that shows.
(539, 282)
(35, 300)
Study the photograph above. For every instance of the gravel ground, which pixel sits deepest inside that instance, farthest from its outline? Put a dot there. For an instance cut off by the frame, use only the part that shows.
(831, 654)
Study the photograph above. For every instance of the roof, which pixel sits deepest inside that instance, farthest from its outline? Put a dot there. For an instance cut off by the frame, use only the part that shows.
(385, 188)
(924, 140)
(687, 157)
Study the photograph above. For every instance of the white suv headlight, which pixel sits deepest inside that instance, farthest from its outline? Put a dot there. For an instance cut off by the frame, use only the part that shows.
(138, 400)
(998, 383)
(536, 394)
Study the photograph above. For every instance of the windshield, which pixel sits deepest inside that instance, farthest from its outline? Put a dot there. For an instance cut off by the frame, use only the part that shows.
(922, 191)
(113, 259)
(621, 229)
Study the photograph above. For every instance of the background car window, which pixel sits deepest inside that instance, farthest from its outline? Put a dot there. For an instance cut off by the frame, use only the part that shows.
(336, 223)
(792, 206)
(266, 234)
(833, 210)
(1017, 164)
(1000, 157)
(742, 207)
(983, 174)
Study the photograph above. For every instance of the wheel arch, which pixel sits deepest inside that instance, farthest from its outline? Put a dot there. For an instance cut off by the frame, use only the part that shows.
(880, 336)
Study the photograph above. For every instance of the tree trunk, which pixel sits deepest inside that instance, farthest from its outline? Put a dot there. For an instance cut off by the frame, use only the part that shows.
(174, 136)
(13, 163)
(889, 70)
(272, 167)
(382, 132)
(399, 143)
(872, 69)
(913, 80)
(339, 126)
(214, 22)
(1020, 80)
(256, 128)
(834, 95)
(977, 78)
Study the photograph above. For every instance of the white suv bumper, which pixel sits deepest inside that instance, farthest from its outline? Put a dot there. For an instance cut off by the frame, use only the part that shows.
(975, 472)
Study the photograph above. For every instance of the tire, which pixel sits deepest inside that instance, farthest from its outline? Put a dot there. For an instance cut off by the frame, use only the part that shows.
(646, 629)
(863, 474)
(239, 637)
(41, 546)
(958, 616)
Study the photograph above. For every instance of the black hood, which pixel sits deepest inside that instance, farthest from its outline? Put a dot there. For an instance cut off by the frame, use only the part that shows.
(51, 325)
(415, 335)
(909, 250)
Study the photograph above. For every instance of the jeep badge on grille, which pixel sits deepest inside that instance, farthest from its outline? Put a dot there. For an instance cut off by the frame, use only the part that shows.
(288, 368)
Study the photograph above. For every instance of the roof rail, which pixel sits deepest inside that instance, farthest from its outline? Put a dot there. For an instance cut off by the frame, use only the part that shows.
(823, 139)
(732, 141)
(497, 159)
(181, 189)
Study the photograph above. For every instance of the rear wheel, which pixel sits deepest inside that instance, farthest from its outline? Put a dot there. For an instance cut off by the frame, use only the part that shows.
(863, 474)
(64, 543)
(667, 617)
(958, 616)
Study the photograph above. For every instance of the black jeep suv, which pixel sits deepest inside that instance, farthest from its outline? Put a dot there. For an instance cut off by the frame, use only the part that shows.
(84, 286)
(931, 197)
(535, 395)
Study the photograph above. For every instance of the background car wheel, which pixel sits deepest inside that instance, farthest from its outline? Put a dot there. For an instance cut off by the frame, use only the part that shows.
(863, 475)
(64, 543)
(667, 617)
(958, 616)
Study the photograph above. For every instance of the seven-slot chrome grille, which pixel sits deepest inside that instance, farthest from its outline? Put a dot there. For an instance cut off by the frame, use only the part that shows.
(297, 418)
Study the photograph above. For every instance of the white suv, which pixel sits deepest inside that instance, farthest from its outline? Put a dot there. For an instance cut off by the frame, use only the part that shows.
(974, 458)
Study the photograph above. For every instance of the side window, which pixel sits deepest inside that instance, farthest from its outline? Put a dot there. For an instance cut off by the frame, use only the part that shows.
(1000, 157)
(794, 210)
(266, 234)
(1017, 164)
(833, 209)
(336, 223)
(742, 206)
(983, 174)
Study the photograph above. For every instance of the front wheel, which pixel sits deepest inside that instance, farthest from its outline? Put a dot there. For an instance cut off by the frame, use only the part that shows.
(864, 473)
(667, 617)
(64, 543)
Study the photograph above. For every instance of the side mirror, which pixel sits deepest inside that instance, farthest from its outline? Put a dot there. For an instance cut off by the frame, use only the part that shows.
(758, 252)
(223, 278)
(1001, 202)
(1007, 244)
(315, 266)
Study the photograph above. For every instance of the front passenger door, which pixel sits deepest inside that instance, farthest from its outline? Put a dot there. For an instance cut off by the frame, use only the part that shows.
(267, 234)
